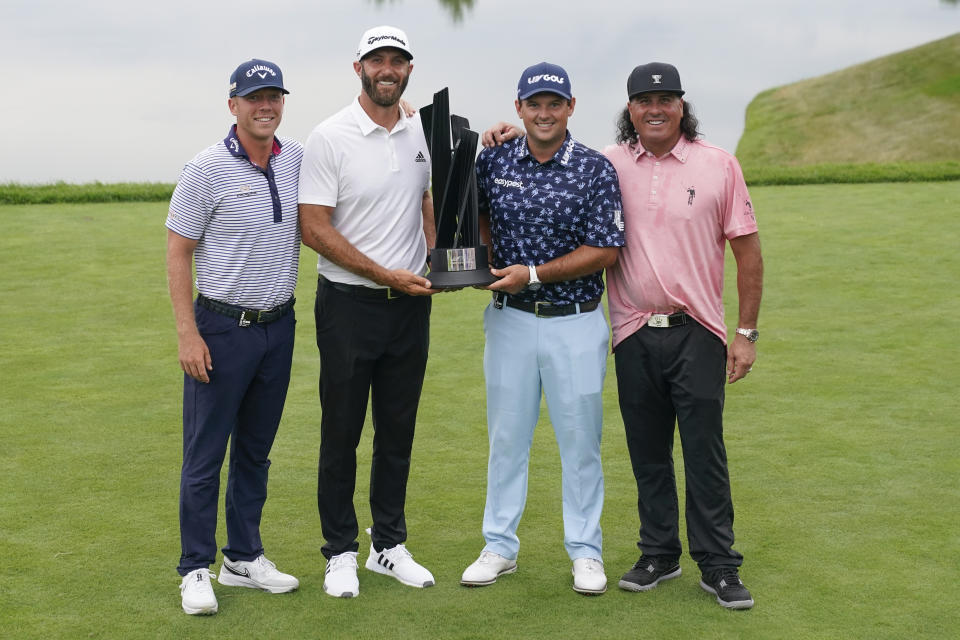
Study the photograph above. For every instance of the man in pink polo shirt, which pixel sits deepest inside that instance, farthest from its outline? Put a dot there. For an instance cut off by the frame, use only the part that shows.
(683, 200)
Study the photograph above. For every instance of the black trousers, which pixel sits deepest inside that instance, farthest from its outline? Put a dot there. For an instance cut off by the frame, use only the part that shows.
(377, 349)
(668, 376)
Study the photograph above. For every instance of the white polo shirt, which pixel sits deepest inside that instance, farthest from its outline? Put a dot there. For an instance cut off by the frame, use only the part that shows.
(375, 180)
(244, 220)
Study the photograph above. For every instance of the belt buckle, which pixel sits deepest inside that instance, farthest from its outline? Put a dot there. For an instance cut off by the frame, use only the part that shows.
(390, 295)
(537, 305)
(659, 320)
(244, 322)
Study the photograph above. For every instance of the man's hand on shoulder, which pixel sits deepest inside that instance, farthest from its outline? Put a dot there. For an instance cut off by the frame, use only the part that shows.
(194, 356)
(513, 279)
(500, 133)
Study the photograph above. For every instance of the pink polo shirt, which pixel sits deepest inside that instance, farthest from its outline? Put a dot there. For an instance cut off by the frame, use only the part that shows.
(679, 211)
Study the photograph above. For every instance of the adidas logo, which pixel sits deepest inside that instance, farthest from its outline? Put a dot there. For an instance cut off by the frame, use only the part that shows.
(420, 157)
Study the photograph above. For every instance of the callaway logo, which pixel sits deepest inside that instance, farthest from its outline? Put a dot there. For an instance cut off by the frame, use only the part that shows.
(508, 183)
(546, 78)
(261, 71)
(420, 157)
(373, 39)
(657, 78)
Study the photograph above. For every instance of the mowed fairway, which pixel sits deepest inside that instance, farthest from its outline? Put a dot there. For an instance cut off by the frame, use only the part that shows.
(844, 448)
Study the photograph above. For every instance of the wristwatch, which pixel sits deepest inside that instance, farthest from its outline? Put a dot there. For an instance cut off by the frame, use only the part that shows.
(749, 334)
(534, 284)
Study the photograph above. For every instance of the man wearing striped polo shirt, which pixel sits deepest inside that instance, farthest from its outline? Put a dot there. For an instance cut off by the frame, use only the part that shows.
(234, 212)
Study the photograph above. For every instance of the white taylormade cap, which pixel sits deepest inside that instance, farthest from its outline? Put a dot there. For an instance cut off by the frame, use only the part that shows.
(384, 36)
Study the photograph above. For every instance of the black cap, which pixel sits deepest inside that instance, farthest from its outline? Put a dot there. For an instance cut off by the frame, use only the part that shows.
(654, 76)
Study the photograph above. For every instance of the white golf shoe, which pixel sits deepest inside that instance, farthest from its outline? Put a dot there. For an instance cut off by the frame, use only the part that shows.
(196, 593)
(258, 573)
(340, 579)
(399, 563)
(588, 576)
(486, 569)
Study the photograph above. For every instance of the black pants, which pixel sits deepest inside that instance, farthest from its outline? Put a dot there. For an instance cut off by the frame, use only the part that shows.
(676, 376)
(377, 349)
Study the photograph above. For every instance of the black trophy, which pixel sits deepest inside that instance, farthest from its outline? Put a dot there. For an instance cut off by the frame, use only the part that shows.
(459, 259)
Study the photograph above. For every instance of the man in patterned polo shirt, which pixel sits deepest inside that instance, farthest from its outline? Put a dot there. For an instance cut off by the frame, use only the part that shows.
(234, 212)
(550, 210)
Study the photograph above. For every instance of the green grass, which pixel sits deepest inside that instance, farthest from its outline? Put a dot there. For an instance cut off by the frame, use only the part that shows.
(64, 192)
(768, 175)
(843, 448)
(899, 108)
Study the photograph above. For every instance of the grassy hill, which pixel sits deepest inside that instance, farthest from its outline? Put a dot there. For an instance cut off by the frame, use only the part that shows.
(902, 108)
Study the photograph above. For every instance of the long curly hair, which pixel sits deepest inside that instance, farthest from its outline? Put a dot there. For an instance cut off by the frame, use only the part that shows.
(689, 125)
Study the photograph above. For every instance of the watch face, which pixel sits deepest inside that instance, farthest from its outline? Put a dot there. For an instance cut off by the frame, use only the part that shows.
(534, 286)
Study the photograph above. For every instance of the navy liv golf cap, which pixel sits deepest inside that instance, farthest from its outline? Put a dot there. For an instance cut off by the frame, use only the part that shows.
(544, 77)
(654, 76)
(253, 75)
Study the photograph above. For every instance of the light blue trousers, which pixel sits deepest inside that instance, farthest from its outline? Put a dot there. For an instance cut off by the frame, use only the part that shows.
(564, 358)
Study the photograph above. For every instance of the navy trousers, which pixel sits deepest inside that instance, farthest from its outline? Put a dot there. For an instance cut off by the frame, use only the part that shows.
(373, 349)
(242, 403)
(676, 376)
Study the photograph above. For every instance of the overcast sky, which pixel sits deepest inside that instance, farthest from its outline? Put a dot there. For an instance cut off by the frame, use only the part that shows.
(127, 90)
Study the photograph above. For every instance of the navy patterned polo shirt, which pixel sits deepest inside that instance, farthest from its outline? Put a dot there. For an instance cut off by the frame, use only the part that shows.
(539, 212)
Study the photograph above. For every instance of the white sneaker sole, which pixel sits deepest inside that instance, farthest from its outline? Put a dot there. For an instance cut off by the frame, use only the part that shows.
(477, 583)
(232, 580)
(202, 611)
(590, 592)
(342, 594)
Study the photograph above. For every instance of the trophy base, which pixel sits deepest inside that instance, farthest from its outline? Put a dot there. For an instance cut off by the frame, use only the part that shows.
(457, 268)
(459, 279)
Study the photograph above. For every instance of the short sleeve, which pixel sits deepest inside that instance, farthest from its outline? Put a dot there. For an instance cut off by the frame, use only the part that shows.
(605, 209)
(319, 172)
(192, 203)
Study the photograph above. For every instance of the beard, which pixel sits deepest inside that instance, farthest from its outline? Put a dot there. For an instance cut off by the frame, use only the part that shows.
(384, 97)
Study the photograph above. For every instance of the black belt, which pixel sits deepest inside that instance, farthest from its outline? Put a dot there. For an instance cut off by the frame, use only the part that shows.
(246, 316)
(544, 309)
(367, 293)
(664, 321)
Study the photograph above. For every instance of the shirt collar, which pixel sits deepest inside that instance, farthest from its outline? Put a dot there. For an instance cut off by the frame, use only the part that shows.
(680, 151)
(561, 157)
(232, 143)
(368, 126)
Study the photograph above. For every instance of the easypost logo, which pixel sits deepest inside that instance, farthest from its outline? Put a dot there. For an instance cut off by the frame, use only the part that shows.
(261, 71)
(508, 183)
(546, 77)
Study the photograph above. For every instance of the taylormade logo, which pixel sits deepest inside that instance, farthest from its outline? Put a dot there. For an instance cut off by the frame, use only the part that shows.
(373, 39)
(546, 78)
(508, 183)
(261, 71)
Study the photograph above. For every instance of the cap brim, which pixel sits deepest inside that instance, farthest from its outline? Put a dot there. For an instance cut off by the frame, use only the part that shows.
(536, 91)
(250, 90)
(406, 54)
